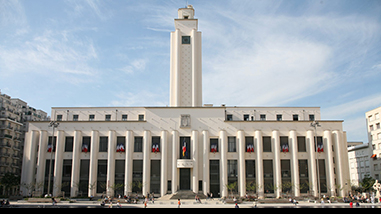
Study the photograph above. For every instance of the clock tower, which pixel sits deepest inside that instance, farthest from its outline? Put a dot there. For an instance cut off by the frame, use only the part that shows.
(186, 68)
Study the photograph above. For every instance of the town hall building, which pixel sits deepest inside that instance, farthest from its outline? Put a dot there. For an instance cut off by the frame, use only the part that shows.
(267, 151)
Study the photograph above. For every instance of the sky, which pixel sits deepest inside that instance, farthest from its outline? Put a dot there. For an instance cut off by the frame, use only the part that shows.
(74, 53)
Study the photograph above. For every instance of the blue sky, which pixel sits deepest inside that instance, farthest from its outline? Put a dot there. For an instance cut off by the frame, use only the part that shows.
(323, 53)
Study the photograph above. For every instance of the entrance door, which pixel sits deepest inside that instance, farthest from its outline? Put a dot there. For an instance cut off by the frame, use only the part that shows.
(185, 179)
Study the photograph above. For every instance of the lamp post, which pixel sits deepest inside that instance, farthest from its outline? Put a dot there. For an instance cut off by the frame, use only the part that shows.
(316, 124)
(54, 125)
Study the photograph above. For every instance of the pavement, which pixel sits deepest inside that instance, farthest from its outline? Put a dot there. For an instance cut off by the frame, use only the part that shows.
(186, 204)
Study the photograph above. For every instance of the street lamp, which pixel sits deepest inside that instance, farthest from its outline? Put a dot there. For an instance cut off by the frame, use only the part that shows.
(316, 124)
(53, 124)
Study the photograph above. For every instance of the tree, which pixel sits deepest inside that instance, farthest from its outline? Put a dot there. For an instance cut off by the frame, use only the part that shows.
(10, 180)
(367, 183)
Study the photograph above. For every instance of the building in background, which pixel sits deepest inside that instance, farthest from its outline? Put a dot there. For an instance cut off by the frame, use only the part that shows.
(374, 137)
(268, 151)
(359, 157)
(14, 117)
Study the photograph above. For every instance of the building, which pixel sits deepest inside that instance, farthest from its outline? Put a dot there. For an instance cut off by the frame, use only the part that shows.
(359, 162)
(187, 146)
(14, 117)
(374, 137)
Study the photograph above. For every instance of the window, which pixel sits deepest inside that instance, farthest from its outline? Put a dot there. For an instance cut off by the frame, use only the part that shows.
(229, 117)
(213, 144)
(124, 117)
(69, 144)
(59, 117)
(249, 141)
(103, 144)
(91, 117)
(377, 116)
(284, 144)
(266, 144)
(246, 117)
(263, 117)
(232, 144)
(155, 144)
(301, 144)
(120, 144)
(186, 40)
(141, 117)
(279, 117)
(75, 117)
(138, 144)
(377, 125)
(86, 144)
(295, 117)
(312, 117)
(108, 117)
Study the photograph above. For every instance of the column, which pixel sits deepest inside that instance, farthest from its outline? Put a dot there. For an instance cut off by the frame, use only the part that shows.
(224, 164)
(195, 160)
(58, 163)
(241, 163)
(277, 166)
(338, 136)
(75, 163)
(205, 162)
(330, 166)
(294, 162)
(146, 162)
(29, 160)
(259, 163)
(93, 163)
(111, 162)
(128, 164)
(164, 159)
(41, 161)
(175, 156)
(312, 162)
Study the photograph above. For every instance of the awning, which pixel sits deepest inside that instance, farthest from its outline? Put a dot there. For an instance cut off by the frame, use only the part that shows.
(373, 156)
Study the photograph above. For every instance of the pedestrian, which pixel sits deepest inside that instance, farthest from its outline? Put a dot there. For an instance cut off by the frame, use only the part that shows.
(145, 202)
(178, 203)
(351, 204)
(236, 205)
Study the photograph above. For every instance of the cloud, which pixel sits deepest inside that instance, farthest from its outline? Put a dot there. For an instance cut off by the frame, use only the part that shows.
(97, 8)
(51, 53)
(275, 59)
(139, 98)
(12, 13)
(134, 66)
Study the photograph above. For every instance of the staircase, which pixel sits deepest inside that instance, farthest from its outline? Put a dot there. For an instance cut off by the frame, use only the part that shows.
(186, 194)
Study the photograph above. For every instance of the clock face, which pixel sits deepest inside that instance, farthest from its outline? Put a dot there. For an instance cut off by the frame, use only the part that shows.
(186, 40)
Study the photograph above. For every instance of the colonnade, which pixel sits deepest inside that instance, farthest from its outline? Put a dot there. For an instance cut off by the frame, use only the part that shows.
(332, 139)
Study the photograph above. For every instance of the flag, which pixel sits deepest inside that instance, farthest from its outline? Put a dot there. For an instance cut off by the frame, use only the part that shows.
(285, 148)
(250, 148)
(184, 148)
(85, 148)
(320, 148)
(120, 148)
(49, 147)
(213, 148)
(155, 148)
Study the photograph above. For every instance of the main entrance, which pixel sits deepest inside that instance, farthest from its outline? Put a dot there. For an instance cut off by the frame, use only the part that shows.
(185, 174)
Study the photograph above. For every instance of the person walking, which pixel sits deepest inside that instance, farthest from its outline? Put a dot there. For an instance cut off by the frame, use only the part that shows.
(178, 203)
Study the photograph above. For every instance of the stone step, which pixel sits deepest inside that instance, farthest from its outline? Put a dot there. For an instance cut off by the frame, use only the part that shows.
(183, 194)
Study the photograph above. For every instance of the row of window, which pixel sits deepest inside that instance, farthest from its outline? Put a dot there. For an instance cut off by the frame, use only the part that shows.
(185, 144)
(279, 117)
(107, 117)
